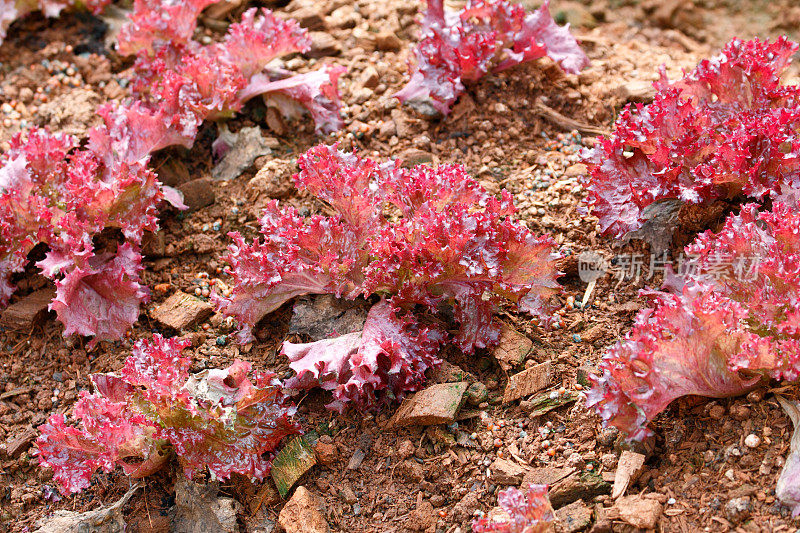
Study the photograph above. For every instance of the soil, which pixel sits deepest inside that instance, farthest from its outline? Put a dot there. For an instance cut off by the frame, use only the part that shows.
(55, 72)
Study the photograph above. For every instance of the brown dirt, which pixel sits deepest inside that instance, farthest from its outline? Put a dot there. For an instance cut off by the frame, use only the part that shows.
(409, 479)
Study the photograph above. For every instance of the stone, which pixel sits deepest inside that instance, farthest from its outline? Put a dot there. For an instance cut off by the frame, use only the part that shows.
(203, 243)
(505, 472)
(738, 509)
(573, 517)
(182, 311)
(447, 372)
(198, 193)
(104, 520)
(356, 459)
(422, 518)
(387, 41)
(574, 14)
(628, 469)
(291, 463)
(638, 511)
(323, 44)
(198, 509)
(370, 77)
(413, 157)
(154, 244)
(437, 404)
(527, 382)
(23, 314)
(511, 349)
(20, 441)
(639, 91)
(272, 180)
(405, 449)
(347, 494)
(303, 513)
(578, 486)
(172, 172)
(326, 453)
(324, 316)
(309, 18)
(244, 147)
(477, 393)
(545, 475)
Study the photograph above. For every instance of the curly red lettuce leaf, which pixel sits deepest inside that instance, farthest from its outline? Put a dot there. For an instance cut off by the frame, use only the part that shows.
(390, 354)
(54, 193)
(486, 36)
(733, 323)
(221, 419)
(725, 130)
(182, 83)
(429, 238)
(154, 23)
(526, 512)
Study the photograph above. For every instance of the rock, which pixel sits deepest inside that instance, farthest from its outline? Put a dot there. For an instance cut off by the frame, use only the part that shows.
(402, 124)
(198, 193)
(326, 453)
(344, 18)
(243, 147)
(578, 486)
(504, 472)
(602, 523)
(198, 509)
(356, 459)
(628, 469)
(477, 393)
(324, 316)
(154, 244)
(422, 518)
(738, 509)
(437, 404)
(463, 510)
(638, 511)
(527, 382)
(387, 41)
(20, 441)
(545, 475)
(323, 44)
(203, 243)
(71, 113)
(447, 372)
(347, 494)
(172, 172)
(294, 460)
(272, 180)
(575, 171)
(303, 513)
(575, 15)
(23, 314)
(512, 348)
(406, 449)
(411, 471)
(573, 517)
(546, 402)
(370, 77)
(181, 311)
(413, 157)
(104, 520)
(309, 17)
(639, 91)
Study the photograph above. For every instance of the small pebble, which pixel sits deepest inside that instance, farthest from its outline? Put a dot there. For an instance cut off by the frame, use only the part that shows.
(752, 441)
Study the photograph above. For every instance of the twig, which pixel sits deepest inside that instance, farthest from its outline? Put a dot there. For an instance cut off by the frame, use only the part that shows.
(566, 123)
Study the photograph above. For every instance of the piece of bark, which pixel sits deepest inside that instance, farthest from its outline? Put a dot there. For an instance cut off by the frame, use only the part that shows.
(182, 311)
(438, 404)
(27, 311)
(527, 382)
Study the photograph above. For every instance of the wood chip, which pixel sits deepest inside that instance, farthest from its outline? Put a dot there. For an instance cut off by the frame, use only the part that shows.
(512, 348)
(527, 382)
(438, 404)
(294, 460)
(181, 311)
(628, 469)
(24, 313)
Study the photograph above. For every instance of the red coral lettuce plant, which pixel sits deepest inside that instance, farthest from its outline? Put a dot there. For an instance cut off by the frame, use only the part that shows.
(423, 239)
(486, 36)
(726, 130)
(221, 419)
(527, 512)
(731, 321)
